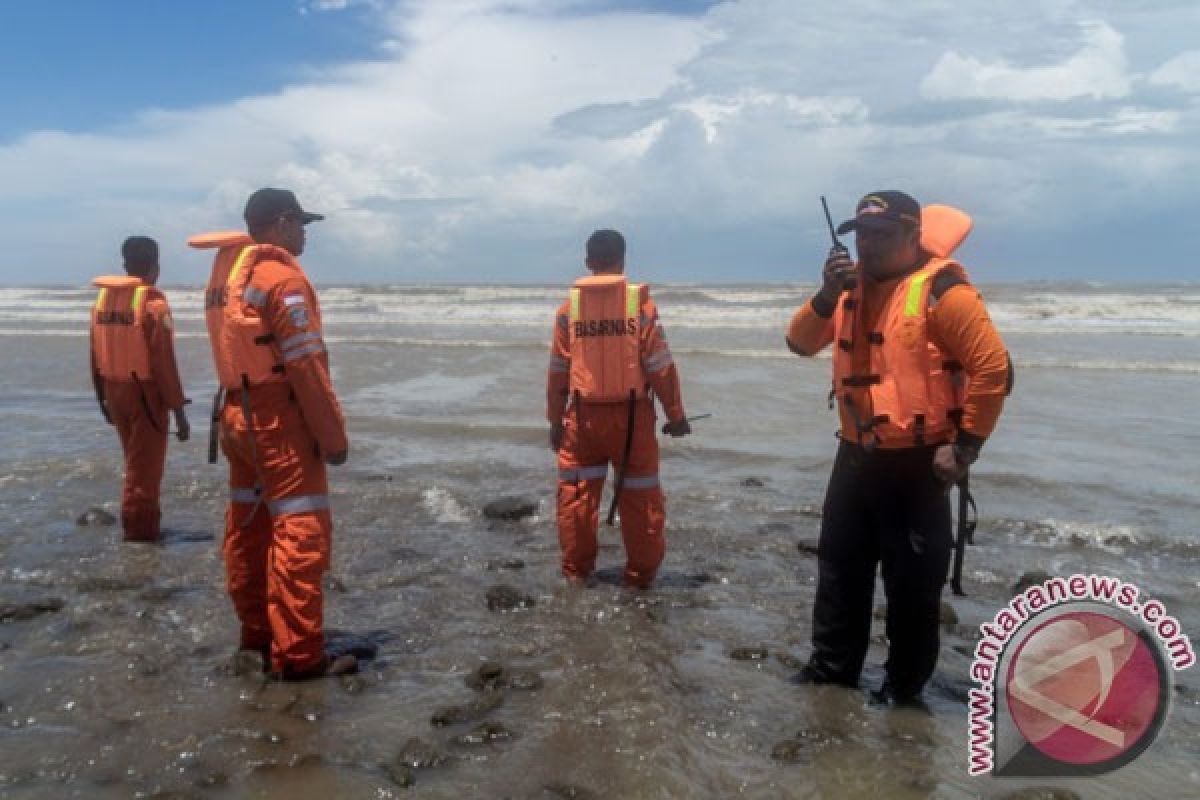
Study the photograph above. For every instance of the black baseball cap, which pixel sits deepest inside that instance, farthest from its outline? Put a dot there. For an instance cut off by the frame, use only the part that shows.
(267, 205)
(883, 209)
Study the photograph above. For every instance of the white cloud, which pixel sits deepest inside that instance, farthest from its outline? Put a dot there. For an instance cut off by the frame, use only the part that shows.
(498, 132)
(1097, 70)
(1181, 72)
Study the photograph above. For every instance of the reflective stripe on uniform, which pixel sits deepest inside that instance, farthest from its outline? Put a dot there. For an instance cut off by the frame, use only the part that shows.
(559, 364)
(100, 298)
(315, 347)
(575, 295)
(659, 360)
(912, 303)
(298, 505)
(583, 473)
(139, 296)
(633, 296)
(299, 338)
(243, 495)
(237, 265)
(640, 482)
(254, 297)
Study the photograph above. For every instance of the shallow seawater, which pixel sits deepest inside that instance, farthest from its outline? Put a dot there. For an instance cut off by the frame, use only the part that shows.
(126, 690)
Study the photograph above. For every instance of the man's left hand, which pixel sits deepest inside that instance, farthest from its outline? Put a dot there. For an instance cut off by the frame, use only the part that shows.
(947, 466)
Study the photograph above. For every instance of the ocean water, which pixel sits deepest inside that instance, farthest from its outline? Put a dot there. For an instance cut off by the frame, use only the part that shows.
(125, 689)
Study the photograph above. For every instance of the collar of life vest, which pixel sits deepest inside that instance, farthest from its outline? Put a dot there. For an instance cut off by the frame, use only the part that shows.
(943, 229)
(598, 281)
(218, 239)
(117, 282)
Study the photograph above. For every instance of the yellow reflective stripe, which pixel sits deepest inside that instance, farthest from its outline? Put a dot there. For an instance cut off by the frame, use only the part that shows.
(575, 304)
(912, 305)
(632, 296)
(237, 265)
(139, 296)
(101, 298)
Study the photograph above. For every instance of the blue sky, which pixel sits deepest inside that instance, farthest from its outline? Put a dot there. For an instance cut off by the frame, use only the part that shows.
(482, 140)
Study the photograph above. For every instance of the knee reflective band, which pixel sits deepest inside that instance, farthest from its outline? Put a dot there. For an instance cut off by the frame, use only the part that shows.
(298, 505)
(641, 482)
(583, 473)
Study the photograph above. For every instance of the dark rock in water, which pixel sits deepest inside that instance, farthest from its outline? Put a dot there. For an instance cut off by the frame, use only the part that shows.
(1186, 693)
(107, 584)
(790, 751)
(1041, 793)
(753, 483)
(487, 733)
(506, 598)
(46, 605)
(419, 754)
(1034, 577)
(505, 563)
(567, 791)
(775, 528)
(491, 675)
(748, 653)
(383, 478)
(468, 712)
(808, 547)
(95, 516)
(947, 615)
(334, 583)
(188, 536)
(158, 594)
(510, 508)
(401, 775)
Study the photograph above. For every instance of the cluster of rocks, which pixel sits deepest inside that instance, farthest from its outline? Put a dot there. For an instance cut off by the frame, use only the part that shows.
(491, 680)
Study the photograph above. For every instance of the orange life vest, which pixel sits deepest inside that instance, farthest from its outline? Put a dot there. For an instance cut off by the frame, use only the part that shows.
(916, 389)
(118, 328)
(605, 332)
(241, 341)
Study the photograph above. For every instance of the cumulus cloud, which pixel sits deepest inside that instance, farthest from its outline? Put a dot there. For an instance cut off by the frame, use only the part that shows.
(494, 134)
(1098, 70)
(1181, 72)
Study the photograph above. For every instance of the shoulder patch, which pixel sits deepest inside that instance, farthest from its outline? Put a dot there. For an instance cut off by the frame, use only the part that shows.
(293, 298)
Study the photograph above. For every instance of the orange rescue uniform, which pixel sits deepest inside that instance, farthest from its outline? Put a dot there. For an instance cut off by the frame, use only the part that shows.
(607, 342)
(940, 321)
(280, 415)
(137, 383)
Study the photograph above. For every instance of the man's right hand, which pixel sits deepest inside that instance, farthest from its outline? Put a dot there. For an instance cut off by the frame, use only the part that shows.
(839, 268)
(556, 436)
(680, 427)
(337, 459)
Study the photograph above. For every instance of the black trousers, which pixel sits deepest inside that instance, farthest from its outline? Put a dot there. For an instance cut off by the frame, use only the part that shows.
(881, 506)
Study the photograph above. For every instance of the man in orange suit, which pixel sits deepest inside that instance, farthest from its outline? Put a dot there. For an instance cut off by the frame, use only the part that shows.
(136, 380)
(280, 424)
(608, 357)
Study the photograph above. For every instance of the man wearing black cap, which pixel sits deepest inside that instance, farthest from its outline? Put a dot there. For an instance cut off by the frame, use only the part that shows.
(920, 375)
(280, 424)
